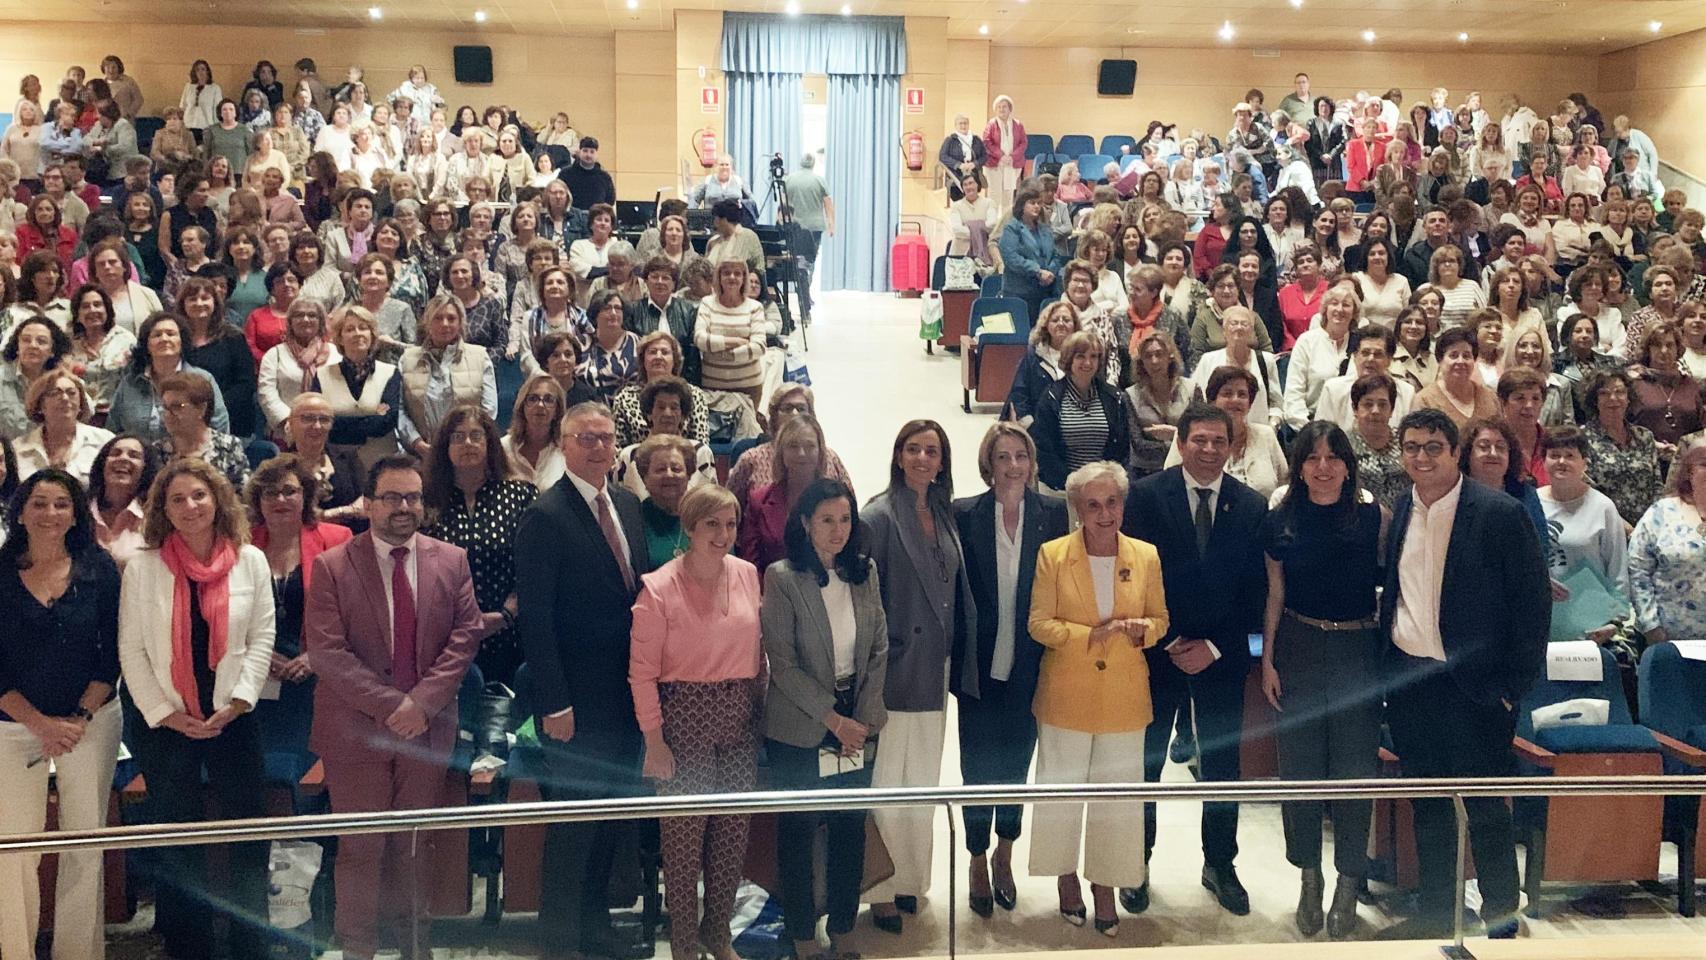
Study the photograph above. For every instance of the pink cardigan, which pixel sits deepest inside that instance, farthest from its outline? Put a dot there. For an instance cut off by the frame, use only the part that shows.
(992, 143)
(679, 635)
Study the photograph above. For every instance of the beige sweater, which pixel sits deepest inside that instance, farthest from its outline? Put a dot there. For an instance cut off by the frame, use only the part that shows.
(731, 344)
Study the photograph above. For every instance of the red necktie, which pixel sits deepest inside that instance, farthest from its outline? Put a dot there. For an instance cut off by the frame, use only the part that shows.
(608, 525)
(403, 675)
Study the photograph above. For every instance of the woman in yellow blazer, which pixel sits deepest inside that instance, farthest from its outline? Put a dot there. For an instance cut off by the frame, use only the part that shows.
(1097, 602)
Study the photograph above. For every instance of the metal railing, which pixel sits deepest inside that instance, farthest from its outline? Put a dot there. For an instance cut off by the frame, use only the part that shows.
(804, 801)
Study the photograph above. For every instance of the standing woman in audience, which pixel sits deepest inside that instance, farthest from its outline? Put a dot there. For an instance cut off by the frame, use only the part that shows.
(927, 599)
(137, 406)
(196, 627)
(1623, 458)
(227, 137)
(532, 444)
(192, 210)
(59, 439)
(440, 372)
(289, 140)
(219, 348)
(1379, 461)
(1097, 602)
(1002, 530)
(1158, 395)
(1320, 660)
(290, 366)
(558, 355)
(1384, 291)
(1666, 564)
(1080, 419)
(1490, 455)
(267, 325)
(484, 323)
(1460, 294)
(800, 462)
(1266, 404)
(660, 356)
(1583, 527)
(476, 504)
(612, 358)
(35, 348)
(697, 672)
(187, 400)
(1319, 354)
(826, 638)
(729, 333)
(1458, 389)
(283, 497)
(376, 283)
(663, 461)
(1257, 459)
(1667, 400)
(1031, 262)
(365, 393)
(41, 289)
(61, 594)
(306, 432)
(99, 349)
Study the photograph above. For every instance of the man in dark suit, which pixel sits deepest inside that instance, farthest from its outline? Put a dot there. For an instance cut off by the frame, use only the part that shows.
(1207, 527)
(1001, 531)
(579, 556)
(661, 309)
(1467, 606)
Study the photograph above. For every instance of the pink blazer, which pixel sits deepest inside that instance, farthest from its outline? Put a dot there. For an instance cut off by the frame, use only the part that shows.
(346, 631)
(992, 143)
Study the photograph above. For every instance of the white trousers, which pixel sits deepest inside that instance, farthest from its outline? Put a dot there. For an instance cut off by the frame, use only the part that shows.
(84, 779)
(1111, 834)
(909, 754)
(1003, 182)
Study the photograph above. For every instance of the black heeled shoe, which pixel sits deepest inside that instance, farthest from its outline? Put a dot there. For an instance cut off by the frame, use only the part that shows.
(983, 906)
(1108, 928)
(889, 924)
(1006, 894)
(1075, 916)
(906, 903)
(1309, 918)
(1342, 915)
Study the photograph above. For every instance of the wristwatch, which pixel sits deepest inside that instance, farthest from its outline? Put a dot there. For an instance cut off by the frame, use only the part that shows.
(82, 713)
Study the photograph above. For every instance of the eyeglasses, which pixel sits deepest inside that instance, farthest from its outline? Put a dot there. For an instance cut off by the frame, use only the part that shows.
(394, 500)
(1431, 449)
(180, 406)
(591, 440)
(314, 420)
(67, 393)
(469, 437)
(280, 493)
(541, 400)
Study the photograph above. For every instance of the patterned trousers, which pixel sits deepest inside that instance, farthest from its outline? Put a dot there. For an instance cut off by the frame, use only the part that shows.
(712, 728)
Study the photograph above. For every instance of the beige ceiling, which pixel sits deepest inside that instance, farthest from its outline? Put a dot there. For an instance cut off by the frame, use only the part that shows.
(1505, 25)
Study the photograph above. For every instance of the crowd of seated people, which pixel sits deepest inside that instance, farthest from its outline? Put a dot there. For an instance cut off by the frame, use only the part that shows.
(266, 433)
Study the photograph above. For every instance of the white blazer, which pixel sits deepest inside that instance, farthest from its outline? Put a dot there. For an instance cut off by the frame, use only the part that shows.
(145, 634)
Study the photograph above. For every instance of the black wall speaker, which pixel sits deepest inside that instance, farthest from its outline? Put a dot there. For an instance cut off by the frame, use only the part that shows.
(1117, 78)
(474, 65)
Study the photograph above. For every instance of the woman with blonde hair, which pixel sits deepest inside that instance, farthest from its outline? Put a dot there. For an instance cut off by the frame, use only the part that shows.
(535, 429)
(1159, 394)
(1041, 365)
(441, 371)
(729, 333)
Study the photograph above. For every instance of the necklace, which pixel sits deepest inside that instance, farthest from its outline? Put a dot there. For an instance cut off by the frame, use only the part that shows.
(1670, 416)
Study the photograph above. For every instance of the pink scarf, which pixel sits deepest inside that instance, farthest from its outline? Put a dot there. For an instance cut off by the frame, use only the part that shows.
(310, 358)
(214, 582)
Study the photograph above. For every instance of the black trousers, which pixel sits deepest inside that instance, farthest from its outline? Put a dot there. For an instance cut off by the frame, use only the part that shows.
(1216, 696)
(1328, 729)
(186, 900)
(998, 736)
(795, 768)
(1439, 732)
(574, 902)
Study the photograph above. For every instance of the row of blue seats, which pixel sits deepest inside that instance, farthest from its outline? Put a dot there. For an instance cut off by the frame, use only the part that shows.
(1077, 144)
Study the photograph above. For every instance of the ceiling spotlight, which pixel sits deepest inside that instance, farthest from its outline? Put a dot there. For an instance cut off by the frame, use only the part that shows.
(633, 4)
(1463, 38)
(1655, 26)
(792, 8)
(1226, 32)
(847, 9)
(374, 13)
(479, 16)
(1297, 4)
(983, 29)
(1368, 36)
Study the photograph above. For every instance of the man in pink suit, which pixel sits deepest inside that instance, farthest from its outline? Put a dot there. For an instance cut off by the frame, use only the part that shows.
(385, 712)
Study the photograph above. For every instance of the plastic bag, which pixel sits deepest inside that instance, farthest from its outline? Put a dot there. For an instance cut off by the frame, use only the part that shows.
(794, 370)
(293, 866)
(930, 317)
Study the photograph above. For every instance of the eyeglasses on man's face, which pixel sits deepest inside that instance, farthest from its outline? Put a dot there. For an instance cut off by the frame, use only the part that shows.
(395, 500)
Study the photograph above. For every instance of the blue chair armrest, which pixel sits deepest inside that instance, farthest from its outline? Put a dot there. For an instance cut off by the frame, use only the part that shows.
(1611, 738)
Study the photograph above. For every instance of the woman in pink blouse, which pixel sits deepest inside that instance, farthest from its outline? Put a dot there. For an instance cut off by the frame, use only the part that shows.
(696, 669)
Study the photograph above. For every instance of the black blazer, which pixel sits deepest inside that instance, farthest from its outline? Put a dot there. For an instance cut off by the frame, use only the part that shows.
(1495, 606)
(1218, 597)
(682, 314)
(953, 154)
(576, 613)
(1051, 443)
(1030, 381)
(1045, 520)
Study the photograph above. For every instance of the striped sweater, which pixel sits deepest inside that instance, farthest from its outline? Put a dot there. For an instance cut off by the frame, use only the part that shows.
(731, 344)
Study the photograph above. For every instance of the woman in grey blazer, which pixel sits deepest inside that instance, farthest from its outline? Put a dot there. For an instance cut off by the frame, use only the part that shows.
(827, 642)
(932, 624)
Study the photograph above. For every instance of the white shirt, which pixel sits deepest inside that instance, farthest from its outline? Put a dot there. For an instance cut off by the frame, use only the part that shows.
(843, 625)
(592, 495)
(1191, 498)
(1334, 404)
(1421, 572)
(1102, 576)
(543, 474)
(1006, 589)
(387, 571)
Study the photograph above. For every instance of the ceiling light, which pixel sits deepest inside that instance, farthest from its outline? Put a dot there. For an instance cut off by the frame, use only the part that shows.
(1655, 26)
(374, 13)
(633, 4)
(983, 29)
(1226, 32)
(847, 9)
(1463, 38)
(792, 9)
(1297, 4)
(1368, 36)
(479, 16)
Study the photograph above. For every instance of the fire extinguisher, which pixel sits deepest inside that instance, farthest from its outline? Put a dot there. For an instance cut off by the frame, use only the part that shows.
(912, 145)
(705, 145)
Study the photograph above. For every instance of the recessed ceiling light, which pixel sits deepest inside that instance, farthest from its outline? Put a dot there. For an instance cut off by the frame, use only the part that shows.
(1297, 4)
(479, 16)
(633, 4)
(1655, 26)
(792, 9)
(374, 13)
(1368, 36)
(983, 29)
(1226, 32)
(847, 9)
(1463, 38)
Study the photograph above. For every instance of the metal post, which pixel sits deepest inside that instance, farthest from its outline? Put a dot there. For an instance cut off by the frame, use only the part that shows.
(1459, 899)
(416, 897)
(953, 892)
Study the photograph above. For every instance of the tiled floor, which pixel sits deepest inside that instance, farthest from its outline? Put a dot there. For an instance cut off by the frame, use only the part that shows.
(871, 374)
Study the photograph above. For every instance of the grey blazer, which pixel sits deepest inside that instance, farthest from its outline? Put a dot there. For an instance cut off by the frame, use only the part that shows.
(932, 622)
(801, 651)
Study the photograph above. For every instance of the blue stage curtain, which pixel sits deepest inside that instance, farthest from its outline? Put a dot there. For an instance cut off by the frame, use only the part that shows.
(864, 180)
(764, 119)
(766, 43)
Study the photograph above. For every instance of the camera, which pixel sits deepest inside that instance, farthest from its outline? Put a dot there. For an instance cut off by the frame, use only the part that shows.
(778, 167)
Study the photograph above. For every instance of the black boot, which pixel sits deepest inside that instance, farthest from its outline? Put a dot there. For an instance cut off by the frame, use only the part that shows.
(1309, 902)
(1342, 916)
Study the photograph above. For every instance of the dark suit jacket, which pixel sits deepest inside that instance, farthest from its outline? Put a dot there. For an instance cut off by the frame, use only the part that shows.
(576, 613)
(1051, 444)
(1495, 602)
(953, 154)
(681, 313)
(347, 632)
(1045, 520)
(1220, 596)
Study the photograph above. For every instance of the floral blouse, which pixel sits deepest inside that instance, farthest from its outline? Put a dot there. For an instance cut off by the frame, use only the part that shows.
(1380, 472)
(1628, 475)
(607, 371)
(411, 284)
(1667, 570)
(221, 450)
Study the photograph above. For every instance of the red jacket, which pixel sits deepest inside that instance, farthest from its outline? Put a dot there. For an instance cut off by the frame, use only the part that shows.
(992, 144)
(1361, 161)
(30, 240)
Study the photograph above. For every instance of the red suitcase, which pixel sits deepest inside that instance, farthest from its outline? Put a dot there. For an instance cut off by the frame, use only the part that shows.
(909, 259)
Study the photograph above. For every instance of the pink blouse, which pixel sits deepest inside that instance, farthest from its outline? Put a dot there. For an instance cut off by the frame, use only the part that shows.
(680, 635)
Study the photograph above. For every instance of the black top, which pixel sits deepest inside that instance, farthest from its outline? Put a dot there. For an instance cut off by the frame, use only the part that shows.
(288, 599)
(227, 359)
(487, 533)
(183, 219)
(1331, 569)
(355, 428)
(199, 640)
(51, 654)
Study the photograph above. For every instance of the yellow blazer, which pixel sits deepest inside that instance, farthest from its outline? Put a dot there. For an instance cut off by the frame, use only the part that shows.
(1073, 693)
